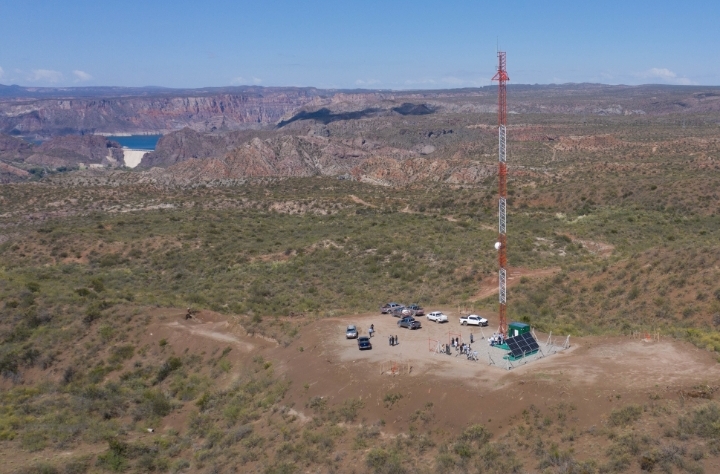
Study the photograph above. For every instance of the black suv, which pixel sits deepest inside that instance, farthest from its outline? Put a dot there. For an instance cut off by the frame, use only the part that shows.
(364, 343)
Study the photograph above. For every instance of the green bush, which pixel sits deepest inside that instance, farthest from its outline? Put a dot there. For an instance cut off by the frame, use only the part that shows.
(170, 365)
(703, 421)
(625, 415)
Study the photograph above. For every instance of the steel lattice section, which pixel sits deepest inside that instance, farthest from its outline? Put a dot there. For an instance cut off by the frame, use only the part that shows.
(502, 214)
(502, 144)
(502, 286)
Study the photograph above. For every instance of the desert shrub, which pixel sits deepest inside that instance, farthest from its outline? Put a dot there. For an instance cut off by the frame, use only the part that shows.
(188, 388)
(170, 365)
(121, 353)
(703, 422)
(153, 403)
(476, 434)
(463, 449)
(391, 399)
(381, 461)
(499, 458)
(119, 453)
(77, 466)
(282, 468)
(625, 415)
(40, 468)
(97, 284)
(33, 440)
(179, 465)
(317, 404)
(238, 434)
(348, 411)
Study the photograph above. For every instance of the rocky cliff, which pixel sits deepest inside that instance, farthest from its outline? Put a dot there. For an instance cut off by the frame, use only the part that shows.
(49, 112)
(18, 156)
(202, 112)
(74, 150)
(14, 149)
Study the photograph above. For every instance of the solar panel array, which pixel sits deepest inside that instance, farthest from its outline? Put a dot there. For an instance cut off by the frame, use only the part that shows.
(522, 344)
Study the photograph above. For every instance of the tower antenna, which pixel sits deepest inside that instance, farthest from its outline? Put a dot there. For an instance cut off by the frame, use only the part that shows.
(502, 77)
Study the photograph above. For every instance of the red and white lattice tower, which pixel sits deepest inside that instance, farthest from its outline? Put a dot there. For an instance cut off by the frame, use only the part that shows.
(502, 77)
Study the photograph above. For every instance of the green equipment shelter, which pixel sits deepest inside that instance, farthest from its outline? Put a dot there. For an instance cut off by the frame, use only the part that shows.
(515, 329)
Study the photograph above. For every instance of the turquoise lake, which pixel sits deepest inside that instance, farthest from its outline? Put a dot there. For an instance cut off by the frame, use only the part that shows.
(137, 142)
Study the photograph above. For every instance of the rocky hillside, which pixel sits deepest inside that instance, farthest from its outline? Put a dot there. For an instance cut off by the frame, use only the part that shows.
(18, 157)
(161, 114)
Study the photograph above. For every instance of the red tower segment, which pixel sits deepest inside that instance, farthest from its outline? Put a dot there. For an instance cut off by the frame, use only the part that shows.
(502, 77)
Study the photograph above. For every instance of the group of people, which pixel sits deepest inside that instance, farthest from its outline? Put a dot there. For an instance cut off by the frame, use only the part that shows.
(393, 340)
(460, 347)
(496, 339)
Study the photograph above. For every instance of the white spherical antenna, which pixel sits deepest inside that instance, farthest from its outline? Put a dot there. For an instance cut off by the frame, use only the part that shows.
(498, 245)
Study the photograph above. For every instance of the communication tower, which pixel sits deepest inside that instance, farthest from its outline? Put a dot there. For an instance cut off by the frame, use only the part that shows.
(502, 77)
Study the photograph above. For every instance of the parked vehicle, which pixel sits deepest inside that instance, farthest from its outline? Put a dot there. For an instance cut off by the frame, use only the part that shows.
(400, 312)
(409, 322)
(417, 310)
(473, 320)
(389, 307)
(364, 343)
(351, 332)
(437, 316)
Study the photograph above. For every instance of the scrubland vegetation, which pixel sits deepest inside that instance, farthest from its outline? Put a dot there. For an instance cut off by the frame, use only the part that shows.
(633, 227)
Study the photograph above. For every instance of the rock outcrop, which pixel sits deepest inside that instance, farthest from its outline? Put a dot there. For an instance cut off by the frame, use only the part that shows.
(60, 153)
(198, 110)
(183, 145)
(74, 150)
(288, 156)
(14, 149)
(11, 174)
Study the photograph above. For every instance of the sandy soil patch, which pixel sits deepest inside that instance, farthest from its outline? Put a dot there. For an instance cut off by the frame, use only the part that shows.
(596, 374)
(360, 201)
(598, 248)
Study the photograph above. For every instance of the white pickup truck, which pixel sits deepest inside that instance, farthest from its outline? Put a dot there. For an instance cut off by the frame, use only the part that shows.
(473, 320)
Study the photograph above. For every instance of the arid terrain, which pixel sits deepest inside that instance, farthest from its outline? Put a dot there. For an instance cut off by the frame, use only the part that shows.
(189, 315)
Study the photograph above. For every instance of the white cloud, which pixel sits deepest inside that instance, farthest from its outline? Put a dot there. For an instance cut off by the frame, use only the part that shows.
(449, 81)
(241, 81)
(415, 82)
(369, 82)
(45, 75)
(460, 82)
(2, 73)
(666, 75)
(81, 76)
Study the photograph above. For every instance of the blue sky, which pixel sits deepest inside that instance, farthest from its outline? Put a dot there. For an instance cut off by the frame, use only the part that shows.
(391, 44)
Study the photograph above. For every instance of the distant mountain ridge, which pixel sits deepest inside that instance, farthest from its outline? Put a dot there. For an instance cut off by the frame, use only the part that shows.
(46, 112)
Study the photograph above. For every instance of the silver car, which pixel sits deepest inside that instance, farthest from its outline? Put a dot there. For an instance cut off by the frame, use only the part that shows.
(437, 316)
(351, 332)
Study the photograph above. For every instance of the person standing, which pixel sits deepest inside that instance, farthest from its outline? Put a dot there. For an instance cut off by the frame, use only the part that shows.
(471, 338)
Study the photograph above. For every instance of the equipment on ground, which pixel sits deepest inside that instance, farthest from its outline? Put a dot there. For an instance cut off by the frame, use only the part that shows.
(521, 346)
(515, 329)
